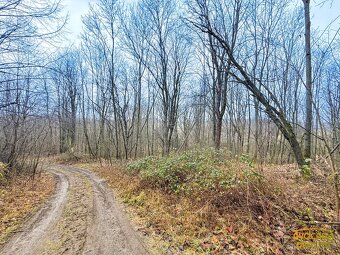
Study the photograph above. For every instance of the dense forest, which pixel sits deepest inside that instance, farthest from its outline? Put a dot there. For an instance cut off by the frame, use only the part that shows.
(217, 121)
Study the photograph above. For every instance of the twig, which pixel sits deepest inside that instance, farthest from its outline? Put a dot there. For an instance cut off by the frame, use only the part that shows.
(332, 151)
(323, 222)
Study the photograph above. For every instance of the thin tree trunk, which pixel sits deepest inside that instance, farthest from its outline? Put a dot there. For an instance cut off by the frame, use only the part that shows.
(309, 98)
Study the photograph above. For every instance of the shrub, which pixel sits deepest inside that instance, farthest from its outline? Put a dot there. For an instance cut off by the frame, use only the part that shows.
(192, 171)
(137, 166)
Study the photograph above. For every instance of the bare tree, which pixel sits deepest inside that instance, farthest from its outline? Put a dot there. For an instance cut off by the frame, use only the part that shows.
(169, 56)
(25, 27)
(66, 77)
(309, 94)
(205, 20)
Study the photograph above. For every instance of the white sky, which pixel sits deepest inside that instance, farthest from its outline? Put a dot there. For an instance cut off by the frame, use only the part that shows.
(75, 9)
(321, 15)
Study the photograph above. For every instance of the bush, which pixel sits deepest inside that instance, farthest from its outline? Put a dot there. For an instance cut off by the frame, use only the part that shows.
(143, 164)
(192, 171)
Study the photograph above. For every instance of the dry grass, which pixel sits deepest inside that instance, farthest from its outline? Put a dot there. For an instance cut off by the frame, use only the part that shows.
(256, 218)
(19, 199)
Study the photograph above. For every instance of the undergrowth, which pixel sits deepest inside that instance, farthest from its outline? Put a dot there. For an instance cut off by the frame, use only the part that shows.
(203, 202)
(193, 171)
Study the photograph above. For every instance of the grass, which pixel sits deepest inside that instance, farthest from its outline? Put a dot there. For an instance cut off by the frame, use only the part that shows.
(19, 199)
(202, 202)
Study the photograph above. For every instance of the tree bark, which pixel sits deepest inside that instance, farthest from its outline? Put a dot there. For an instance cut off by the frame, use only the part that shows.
(309, 95)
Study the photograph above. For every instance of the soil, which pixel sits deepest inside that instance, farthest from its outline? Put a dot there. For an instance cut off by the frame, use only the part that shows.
(82, 217)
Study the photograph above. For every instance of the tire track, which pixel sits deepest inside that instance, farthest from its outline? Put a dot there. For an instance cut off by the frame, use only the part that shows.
(111, 232)
(24, 242)
(82, 217)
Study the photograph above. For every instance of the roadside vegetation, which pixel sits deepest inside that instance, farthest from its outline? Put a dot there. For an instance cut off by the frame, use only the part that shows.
(203, 202)
(20, 198)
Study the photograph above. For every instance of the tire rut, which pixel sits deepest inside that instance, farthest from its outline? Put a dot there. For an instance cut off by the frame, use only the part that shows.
(24, 242)
(82, 217)
(111, 230)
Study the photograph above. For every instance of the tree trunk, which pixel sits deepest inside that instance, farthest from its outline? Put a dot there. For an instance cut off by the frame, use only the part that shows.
(218, 133)
(309, 98)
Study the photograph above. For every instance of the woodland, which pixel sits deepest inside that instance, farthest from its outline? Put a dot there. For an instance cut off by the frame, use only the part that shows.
(251, 80)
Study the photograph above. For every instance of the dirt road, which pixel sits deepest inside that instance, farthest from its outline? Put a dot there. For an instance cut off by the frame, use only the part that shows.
(82, 217)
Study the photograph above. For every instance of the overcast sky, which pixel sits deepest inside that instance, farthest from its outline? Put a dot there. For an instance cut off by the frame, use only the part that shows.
(321, 15)
(75, 9)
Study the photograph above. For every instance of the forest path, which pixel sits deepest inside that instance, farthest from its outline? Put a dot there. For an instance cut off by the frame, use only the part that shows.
(82, 217)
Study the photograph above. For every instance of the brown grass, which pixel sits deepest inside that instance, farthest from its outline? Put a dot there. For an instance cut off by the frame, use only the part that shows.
(19, 199)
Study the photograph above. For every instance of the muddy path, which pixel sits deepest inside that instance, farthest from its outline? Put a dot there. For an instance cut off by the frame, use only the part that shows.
(82, 217)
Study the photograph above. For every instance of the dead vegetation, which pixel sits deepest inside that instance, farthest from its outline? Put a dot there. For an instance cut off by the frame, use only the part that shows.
(201, 202)
(20, 198)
